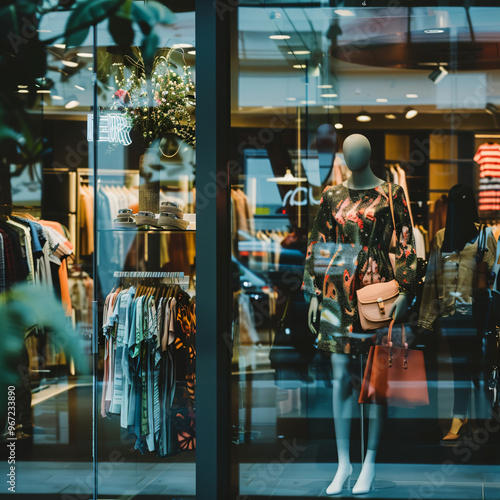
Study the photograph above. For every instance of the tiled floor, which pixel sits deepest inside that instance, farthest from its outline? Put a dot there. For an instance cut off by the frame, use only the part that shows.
(394, 481)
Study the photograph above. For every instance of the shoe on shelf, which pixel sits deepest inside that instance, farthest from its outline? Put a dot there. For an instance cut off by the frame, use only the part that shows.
(340, 482)
(146, 219)
(171, 221)
(125, 219)
(171, 207)
(457, 429)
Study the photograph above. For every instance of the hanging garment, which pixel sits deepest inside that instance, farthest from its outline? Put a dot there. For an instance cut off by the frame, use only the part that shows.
(488, 159)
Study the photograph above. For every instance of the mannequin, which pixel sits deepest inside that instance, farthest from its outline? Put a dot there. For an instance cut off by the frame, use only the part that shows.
(348, 249)
(449, 286)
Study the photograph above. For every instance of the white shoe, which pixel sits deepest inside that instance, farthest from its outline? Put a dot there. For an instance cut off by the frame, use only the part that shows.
(339, 483)
(363, 487)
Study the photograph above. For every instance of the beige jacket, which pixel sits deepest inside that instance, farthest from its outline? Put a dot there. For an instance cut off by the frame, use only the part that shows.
(448, 282)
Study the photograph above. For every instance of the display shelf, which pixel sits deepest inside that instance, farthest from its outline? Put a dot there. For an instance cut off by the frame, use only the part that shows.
(146, 231)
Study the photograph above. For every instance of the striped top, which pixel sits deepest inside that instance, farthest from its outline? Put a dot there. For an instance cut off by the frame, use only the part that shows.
(488, 159)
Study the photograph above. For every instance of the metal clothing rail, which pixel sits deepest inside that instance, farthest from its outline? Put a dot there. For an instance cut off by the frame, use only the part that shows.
(149, 274)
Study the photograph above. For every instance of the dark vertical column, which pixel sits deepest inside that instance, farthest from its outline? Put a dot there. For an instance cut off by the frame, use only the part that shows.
(213, 257)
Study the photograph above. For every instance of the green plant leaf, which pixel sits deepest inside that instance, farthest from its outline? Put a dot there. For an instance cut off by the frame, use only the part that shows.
(149, 14)
(85, 14)
(121, 30)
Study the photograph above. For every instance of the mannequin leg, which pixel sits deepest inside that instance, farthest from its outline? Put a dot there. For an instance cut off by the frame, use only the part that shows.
(342, 415)
(367, 475)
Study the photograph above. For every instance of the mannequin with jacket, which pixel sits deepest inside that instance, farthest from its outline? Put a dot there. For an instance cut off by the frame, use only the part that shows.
(448, 298)
(348, 249)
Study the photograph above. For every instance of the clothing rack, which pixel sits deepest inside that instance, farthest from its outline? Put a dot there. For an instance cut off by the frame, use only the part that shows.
(8, 209)
(149, 274)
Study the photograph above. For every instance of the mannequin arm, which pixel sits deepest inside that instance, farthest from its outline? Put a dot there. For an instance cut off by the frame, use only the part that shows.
(312, 314)
(400, 307)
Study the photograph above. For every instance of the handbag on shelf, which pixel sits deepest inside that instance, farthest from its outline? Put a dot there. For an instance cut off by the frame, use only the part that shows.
(375, 301)
(395, 376)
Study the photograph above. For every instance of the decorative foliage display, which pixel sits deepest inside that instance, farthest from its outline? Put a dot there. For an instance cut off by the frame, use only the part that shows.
(162, 105)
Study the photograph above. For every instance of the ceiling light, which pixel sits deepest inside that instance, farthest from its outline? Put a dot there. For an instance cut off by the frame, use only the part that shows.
(438, 74)
(56, 97)
(288, 178)
(410, 113)
(326, 96)
(290, 99)
(182, 45)
(338, 126)
(73, 103)
(344, 12)
(382, 99)
(299, 66)
(44, 31)
(299, 52)
(70, 64)
(79, 87)
(325, 86)
(390, 116)
(22, 86)
(84, 54)
(308, 102)
(279, 37)
(43, 91)
(59, 45)
(192, 52)
(411, 96)
(364, 117)
(23, 91)
(328, 106)
(436, 30)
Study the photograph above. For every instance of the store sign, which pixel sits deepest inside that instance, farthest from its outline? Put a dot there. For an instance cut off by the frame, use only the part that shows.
(112, 128)
(294, 198)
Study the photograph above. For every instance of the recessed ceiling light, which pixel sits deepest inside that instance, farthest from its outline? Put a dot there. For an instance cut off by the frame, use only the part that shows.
(325, 86)
(84, 54)
(410, 113)
(308, 102)
(59, 45)
(22, 86)
(412, 96)
(182, 45)
(56, 97)
(44, 31)
(72, 104)
(436, 30)
(328, 106)
(43, 91)
(382, 99)
(290, 99)
(338, 126)
(23, 91)
(90, 68)
(364, 117)
(299, 66)
(299, 52)
(70, 64)
(390, 116)
(79, 87)
(326, 96)
(192, 52)
(344, 12)
(279, 37)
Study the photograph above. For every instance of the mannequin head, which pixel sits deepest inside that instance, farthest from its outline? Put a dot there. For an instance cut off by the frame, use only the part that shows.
(326, 138)
(461, 218)
(357, 152)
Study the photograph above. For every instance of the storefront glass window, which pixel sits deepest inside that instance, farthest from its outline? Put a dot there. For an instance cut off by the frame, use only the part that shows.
(335, 110)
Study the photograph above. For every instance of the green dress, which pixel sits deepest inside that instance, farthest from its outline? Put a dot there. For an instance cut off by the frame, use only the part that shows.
(349, 248)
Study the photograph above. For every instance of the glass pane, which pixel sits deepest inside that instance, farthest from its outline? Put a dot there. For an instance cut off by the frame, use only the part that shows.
(146, 262)
(308, 78)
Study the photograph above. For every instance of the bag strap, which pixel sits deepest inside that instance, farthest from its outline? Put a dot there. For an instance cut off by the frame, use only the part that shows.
(392, 207)
(403, 334)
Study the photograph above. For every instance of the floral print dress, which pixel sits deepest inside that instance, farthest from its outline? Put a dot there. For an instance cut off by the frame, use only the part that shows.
(348, 249)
